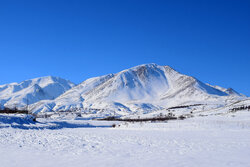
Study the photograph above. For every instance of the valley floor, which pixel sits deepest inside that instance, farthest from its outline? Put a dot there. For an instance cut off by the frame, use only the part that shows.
(221, 141)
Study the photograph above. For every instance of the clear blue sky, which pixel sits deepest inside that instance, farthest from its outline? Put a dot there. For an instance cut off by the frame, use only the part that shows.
(207, 39)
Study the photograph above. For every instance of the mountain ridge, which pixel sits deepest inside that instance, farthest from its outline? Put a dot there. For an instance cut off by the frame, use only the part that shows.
(32, 90)
(141, 88)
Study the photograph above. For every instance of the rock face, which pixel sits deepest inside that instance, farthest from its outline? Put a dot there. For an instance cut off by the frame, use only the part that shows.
(32, 91)
(143, 88)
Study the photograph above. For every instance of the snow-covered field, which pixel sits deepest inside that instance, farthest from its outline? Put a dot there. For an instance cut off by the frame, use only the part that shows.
(222, 140)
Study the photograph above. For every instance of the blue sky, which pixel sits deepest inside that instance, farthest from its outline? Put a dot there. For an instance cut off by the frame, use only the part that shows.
(207, 39)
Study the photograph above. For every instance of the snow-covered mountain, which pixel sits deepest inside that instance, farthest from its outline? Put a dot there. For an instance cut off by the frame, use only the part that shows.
(143, 89)
(32, 91)
(229, 91)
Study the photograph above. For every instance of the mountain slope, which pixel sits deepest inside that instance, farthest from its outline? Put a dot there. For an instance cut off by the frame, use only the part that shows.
(32, 91)
(143, 88)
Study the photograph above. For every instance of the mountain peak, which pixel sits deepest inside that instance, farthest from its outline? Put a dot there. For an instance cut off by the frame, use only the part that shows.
(148, 85)
(33, 90)
(145, 87)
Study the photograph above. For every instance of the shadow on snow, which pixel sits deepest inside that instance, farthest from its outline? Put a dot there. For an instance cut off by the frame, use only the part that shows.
(28, 124)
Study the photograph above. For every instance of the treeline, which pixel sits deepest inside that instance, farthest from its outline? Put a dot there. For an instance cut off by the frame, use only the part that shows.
(240, 108)
(13, 111)
(185, 106)
(153, 119)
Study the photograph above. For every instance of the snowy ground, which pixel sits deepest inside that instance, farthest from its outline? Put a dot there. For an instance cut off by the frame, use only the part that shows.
(222, 140)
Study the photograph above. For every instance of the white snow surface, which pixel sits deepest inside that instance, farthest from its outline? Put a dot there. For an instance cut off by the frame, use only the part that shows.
(31, 91)
(141, 89)
(213, 140)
